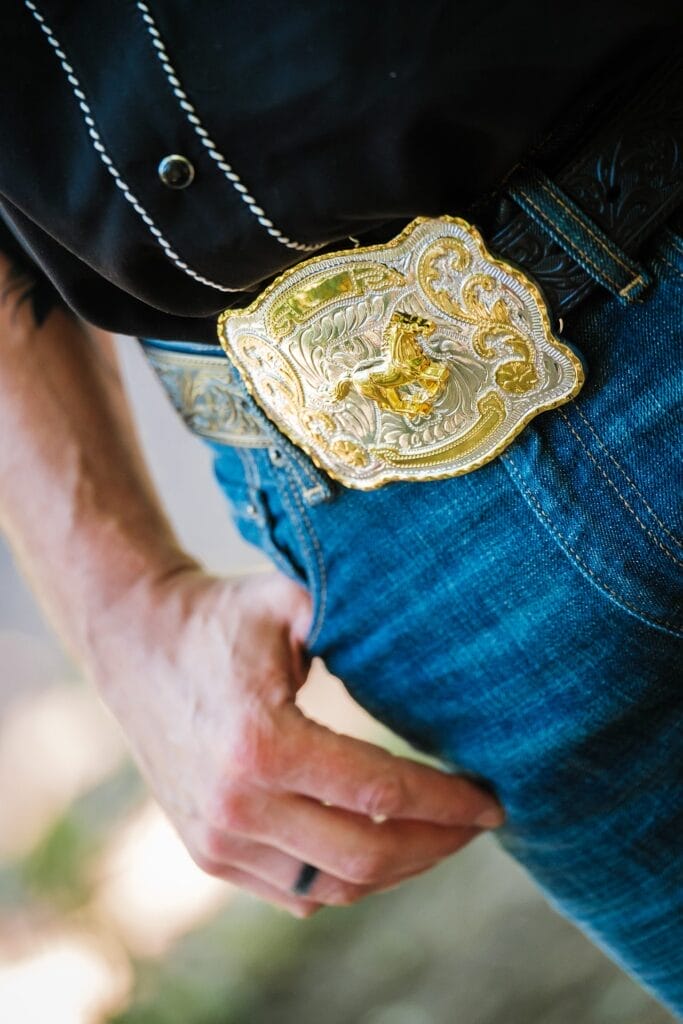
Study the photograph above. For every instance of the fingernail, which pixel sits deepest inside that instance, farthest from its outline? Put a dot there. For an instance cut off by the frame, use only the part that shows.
(491, 818)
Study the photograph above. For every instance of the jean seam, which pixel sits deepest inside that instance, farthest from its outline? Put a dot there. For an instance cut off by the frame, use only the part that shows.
(674, 240)
(678, 542)
(618, 599)
(318, 487)
(273, 552)
(292, 519)
(608, 478)
(310, 476)
(309, 546)
(277, 440)
(662, 259)
(586, 227)
(270, 548)
(246, 457)
(572, 245)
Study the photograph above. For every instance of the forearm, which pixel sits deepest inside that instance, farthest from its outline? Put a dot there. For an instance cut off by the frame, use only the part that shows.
(201, 673)
(75, 500)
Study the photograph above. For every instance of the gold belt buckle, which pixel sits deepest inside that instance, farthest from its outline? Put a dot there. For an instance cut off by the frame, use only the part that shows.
(418, 359)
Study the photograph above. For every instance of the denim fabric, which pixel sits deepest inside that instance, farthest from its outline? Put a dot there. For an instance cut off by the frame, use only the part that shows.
(524, 622)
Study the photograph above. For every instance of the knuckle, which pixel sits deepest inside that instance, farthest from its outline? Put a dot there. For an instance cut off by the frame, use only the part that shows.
(255, 753)
(367, 868)
(346, 895)
(385, 796)
(304, 910)
(211, 842)
(233, 810)
(331, 891)
(206, 864)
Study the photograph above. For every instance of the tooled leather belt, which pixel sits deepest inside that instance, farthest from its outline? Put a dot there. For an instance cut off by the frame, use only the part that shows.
(625, 183)
(423, 358)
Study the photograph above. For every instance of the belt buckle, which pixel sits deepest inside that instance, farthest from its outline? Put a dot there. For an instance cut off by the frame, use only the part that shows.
(419, 359)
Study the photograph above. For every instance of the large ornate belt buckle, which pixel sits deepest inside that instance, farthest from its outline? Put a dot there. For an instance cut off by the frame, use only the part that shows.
(415, 360)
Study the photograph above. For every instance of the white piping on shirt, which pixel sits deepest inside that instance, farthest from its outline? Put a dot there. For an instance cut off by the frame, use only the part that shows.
(192, 116)
(107, 160)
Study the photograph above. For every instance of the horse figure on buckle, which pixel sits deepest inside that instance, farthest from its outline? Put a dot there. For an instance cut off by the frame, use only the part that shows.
(403, 362)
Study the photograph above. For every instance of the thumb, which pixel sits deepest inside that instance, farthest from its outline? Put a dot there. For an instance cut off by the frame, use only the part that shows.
(292, 604)
(296, 608)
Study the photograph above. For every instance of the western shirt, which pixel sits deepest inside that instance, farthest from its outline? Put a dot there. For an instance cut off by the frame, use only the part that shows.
(291, 127)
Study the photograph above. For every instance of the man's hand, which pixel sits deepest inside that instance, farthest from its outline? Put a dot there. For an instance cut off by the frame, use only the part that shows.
(203, 683)
(202, 673)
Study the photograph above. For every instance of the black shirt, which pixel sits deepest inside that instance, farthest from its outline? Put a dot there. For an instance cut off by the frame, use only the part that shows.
(305, 122)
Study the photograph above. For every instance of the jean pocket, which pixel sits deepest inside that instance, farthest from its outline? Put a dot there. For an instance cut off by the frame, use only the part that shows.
(607, 528)
(603, 473)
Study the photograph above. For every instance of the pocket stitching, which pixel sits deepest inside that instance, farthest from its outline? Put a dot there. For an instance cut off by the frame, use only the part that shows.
(659, 258)
(663, 624)
(612, 458)
(608, 478)
(674, 240)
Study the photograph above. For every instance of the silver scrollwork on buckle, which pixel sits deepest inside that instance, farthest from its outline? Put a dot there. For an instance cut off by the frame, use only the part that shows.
(419, 359)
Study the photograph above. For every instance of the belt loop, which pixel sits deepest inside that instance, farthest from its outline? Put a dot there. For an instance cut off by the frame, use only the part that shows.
(559, 217)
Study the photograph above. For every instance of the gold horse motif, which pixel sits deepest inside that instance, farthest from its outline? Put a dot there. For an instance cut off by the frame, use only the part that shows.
(403, 362)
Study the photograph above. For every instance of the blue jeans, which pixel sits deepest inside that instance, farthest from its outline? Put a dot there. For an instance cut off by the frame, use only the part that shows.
(524, 622)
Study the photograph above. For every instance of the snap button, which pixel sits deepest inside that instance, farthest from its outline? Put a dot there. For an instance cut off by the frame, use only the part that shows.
(176, 171)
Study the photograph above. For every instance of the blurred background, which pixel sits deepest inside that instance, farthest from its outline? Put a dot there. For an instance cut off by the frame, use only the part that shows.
(104, 917)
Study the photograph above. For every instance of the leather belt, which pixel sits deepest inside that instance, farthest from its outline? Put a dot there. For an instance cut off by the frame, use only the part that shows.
(423, 358)
(207, 393)
(620, 187)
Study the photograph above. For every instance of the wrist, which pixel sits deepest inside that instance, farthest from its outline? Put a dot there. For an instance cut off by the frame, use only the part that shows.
(133, 612)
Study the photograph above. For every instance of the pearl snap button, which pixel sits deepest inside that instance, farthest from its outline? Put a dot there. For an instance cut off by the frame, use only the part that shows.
(176, 171)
